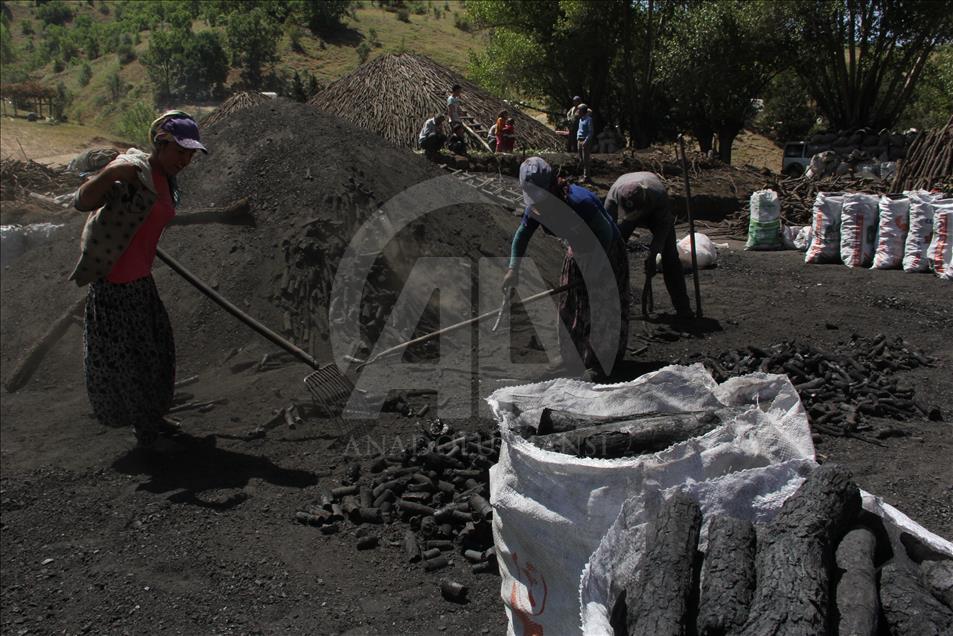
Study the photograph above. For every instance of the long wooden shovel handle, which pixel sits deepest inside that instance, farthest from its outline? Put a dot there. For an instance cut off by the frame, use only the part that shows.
(222, 302)
(460, 325)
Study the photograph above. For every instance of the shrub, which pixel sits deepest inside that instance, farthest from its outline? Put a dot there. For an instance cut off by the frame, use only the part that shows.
(294, 36)
(403, 15)
(85, 74)
(58, 65)
(134, 124)
(55, 12)
(461, 22)
(363, 50)
(26, 27)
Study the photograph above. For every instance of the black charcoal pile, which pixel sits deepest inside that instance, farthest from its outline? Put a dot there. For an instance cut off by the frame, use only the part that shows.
(838, 388)
(822, 566)
(429, 500)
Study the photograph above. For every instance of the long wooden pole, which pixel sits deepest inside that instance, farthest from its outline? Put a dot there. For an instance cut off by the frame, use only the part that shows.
(691, 228)
(222, 302)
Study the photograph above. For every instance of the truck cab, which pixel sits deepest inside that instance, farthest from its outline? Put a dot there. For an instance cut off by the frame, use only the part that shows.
(797, 157)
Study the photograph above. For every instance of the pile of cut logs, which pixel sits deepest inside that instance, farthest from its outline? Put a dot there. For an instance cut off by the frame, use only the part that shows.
(19, 178)
(437, 488)
(812, 570)
(929, 162)
(837, 388)
(615, 437)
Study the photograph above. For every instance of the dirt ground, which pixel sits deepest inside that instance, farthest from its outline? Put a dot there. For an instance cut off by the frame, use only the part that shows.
(97, 539)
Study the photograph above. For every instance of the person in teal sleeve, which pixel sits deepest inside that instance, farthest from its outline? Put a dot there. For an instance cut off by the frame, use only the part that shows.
(576, 215)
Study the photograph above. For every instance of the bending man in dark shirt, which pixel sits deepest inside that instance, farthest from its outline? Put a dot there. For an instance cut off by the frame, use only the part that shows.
(644, 202)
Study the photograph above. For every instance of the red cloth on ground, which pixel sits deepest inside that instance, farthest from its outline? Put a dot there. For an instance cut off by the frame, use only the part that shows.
(136, 261)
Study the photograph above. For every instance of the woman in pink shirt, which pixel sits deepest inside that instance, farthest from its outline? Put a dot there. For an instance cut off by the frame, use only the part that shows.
(129, 351)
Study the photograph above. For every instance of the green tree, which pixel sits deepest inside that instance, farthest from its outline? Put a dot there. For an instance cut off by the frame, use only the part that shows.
(325, 15)
(251, 39)
(115, 85)
(61, 101)
(85, 74)
(862, 59)
(7, 52)
(788, 113)
(297, 88)
(134, 124)
(720, 57)
(932, 100)
(313, 86)
(553, 49)
(54, 12)
(184, 64)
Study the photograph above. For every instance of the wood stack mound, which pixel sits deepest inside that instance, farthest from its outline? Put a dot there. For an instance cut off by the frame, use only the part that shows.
(393, 95)
(234, 104)
(821, 566)
(838, 389)
(929, 162)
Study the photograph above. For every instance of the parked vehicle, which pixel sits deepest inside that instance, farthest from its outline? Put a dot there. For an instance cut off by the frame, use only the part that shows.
(797, 157)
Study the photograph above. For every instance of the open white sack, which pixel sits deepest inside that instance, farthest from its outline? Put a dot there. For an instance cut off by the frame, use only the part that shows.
(754, 495)
(551, 510)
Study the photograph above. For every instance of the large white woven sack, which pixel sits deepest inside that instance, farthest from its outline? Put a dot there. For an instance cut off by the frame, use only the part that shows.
(754, 495)
(858, 229)
(940, 252)
(919, 233)
(550, 510)
(825, 227)
(893, 222)
(764, 221)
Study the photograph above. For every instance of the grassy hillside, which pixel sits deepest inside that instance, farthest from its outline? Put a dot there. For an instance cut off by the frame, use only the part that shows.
(429, 28)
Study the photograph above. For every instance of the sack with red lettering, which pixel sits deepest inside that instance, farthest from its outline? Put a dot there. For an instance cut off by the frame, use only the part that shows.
(919, 234)
(940, 252)
(891, 231)
(825, 225)
(858, 229)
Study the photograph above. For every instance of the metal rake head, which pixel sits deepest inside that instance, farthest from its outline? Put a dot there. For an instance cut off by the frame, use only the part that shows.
(329, 389)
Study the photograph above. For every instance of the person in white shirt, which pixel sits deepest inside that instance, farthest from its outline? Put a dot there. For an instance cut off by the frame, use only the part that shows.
(453, 105)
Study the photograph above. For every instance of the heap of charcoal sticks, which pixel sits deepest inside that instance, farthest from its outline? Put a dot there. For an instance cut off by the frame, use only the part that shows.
(821, 566)
(838, 388)
(430, 498)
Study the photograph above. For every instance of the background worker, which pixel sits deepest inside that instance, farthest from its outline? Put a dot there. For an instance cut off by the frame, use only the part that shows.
(572, 120)
(640, 199)
(457, 143)
(576, 215)
(453, 105)
(584, 139)
(432, 136)
(500, 125)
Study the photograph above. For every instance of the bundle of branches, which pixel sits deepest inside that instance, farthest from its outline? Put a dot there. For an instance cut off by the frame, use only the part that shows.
(233, 104)
(839, 389)
(393, 95)
(797, 195)
(18, 178)
(929, 162)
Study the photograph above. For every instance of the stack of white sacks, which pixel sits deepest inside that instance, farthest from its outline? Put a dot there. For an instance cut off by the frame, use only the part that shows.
(913, 231)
